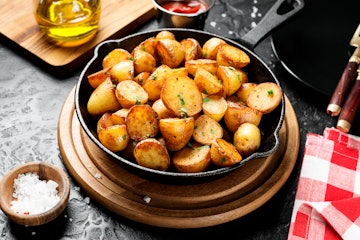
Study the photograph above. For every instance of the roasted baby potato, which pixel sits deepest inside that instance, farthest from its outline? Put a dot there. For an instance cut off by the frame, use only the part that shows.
(208, 83)
(123, 70)
(171, 52)
(119, 116)
(209, 65)
(206, 130)
(152, 154)
(265, 97)
(211, 47)
(115, 56)
(247, 139)
(176, 132)
(161, 110)
(231, 78)
(165, 35)
(224, 154)
(130, 93)
(195, 158)
(98, 77)
(243, 92)
(181, 96)
(141, 77)
(228, 55)
(112, 136)
(141, 122)
(149, 46)
(143, 61)
(237, 114)
(192, 49)
(215, 107)
(103, 99)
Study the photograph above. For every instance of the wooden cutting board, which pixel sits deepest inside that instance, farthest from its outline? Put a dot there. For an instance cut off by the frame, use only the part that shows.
(118, 18)
(162, 204)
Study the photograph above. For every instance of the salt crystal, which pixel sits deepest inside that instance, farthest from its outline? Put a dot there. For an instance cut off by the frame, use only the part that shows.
(33, 196)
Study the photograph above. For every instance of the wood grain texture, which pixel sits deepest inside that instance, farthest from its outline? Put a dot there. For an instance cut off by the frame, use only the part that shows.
(118, 18)
(175, 205)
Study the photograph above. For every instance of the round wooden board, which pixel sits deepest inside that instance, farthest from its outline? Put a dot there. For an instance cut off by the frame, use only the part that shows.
(151, 202)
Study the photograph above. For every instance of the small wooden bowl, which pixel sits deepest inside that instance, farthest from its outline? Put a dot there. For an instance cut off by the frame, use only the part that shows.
(45, 171)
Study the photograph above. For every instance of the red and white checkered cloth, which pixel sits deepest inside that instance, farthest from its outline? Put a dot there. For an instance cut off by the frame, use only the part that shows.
(327, 203)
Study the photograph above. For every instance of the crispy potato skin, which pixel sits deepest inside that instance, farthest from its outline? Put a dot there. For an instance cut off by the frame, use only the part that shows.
(207, 130)
(142, 122)
(228, 55)
(115, 56)
(224, 154)
(171, 52)
(103, 99)
(237, 114)
(192, 159)
(211, 47)
(247, 139)
(130, 93)
(265, 97)
(181, 96)
(176, 132)
(152, 154)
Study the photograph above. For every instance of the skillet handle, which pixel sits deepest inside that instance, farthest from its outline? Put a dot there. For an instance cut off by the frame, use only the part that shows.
(273, 18)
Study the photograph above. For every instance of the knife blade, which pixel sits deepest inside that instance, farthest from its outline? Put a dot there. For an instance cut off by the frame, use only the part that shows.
(347, 77)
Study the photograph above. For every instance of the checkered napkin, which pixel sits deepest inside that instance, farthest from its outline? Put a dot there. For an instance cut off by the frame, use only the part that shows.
(327, 203)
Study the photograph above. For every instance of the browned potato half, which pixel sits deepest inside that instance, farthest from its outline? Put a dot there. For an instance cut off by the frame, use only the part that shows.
(247, 139)
(231, 78)
(161, 110)
(141, 122)
(149, 46)
(115, 137)
(237, 114)
(206, 130)
(130, 93)
(171, 52)
(152, 154)
(224, 154)
(165, 34)
(209, 65)
(229, 55)
(123, 70)
(119, 116)
(192, 159)
(211, 46)
(155, 81)
(243, 92)
(265, 97)
(98, 77)
(180, 95)
(103, 99)
(215, 107)
(141, 77)
(208, 83)
(115, 56)
(143, 61)
(192, 49)
(176, 132)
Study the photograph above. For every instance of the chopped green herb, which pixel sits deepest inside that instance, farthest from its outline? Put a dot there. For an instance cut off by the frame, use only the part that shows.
(206, 100)
(270, 92)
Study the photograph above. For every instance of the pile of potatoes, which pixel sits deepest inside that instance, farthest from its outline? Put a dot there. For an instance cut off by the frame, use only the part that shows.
(176, 104)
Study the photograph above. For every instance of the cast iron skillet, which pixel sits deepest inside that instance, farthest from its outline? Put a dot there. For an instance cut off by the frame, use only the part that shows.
(257, 72)
(314, 48)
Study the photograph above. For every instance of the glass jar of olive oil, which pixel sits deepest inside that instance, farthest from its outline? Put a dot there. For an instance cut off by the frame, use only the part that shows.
(68, 23)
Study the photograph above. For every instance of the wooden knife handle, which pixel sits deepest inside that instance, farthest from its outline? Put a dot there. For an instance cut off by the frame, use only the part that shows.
(342, 87)
(351, 105)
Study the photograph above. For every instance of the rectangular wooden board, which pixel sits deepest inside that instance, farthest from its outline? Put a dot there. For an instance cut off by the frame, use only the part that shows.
(118, 18)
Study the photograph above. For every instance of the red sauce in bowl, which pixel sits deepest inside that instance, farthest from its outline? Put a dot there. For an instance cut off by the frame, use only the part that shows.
(189, 7)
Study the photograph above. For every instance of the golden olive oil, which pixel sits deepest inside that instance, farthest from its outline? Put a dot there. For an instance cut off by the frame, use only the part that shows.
(68, 22)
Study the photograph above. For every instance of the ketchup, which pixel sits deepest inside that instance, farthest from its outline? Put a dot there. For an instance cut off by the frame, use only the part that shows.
(191, 6)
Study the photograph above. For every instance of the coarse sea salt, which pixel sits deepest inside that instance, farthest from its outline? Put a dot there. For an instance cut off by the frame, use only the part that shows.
(32, 195)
